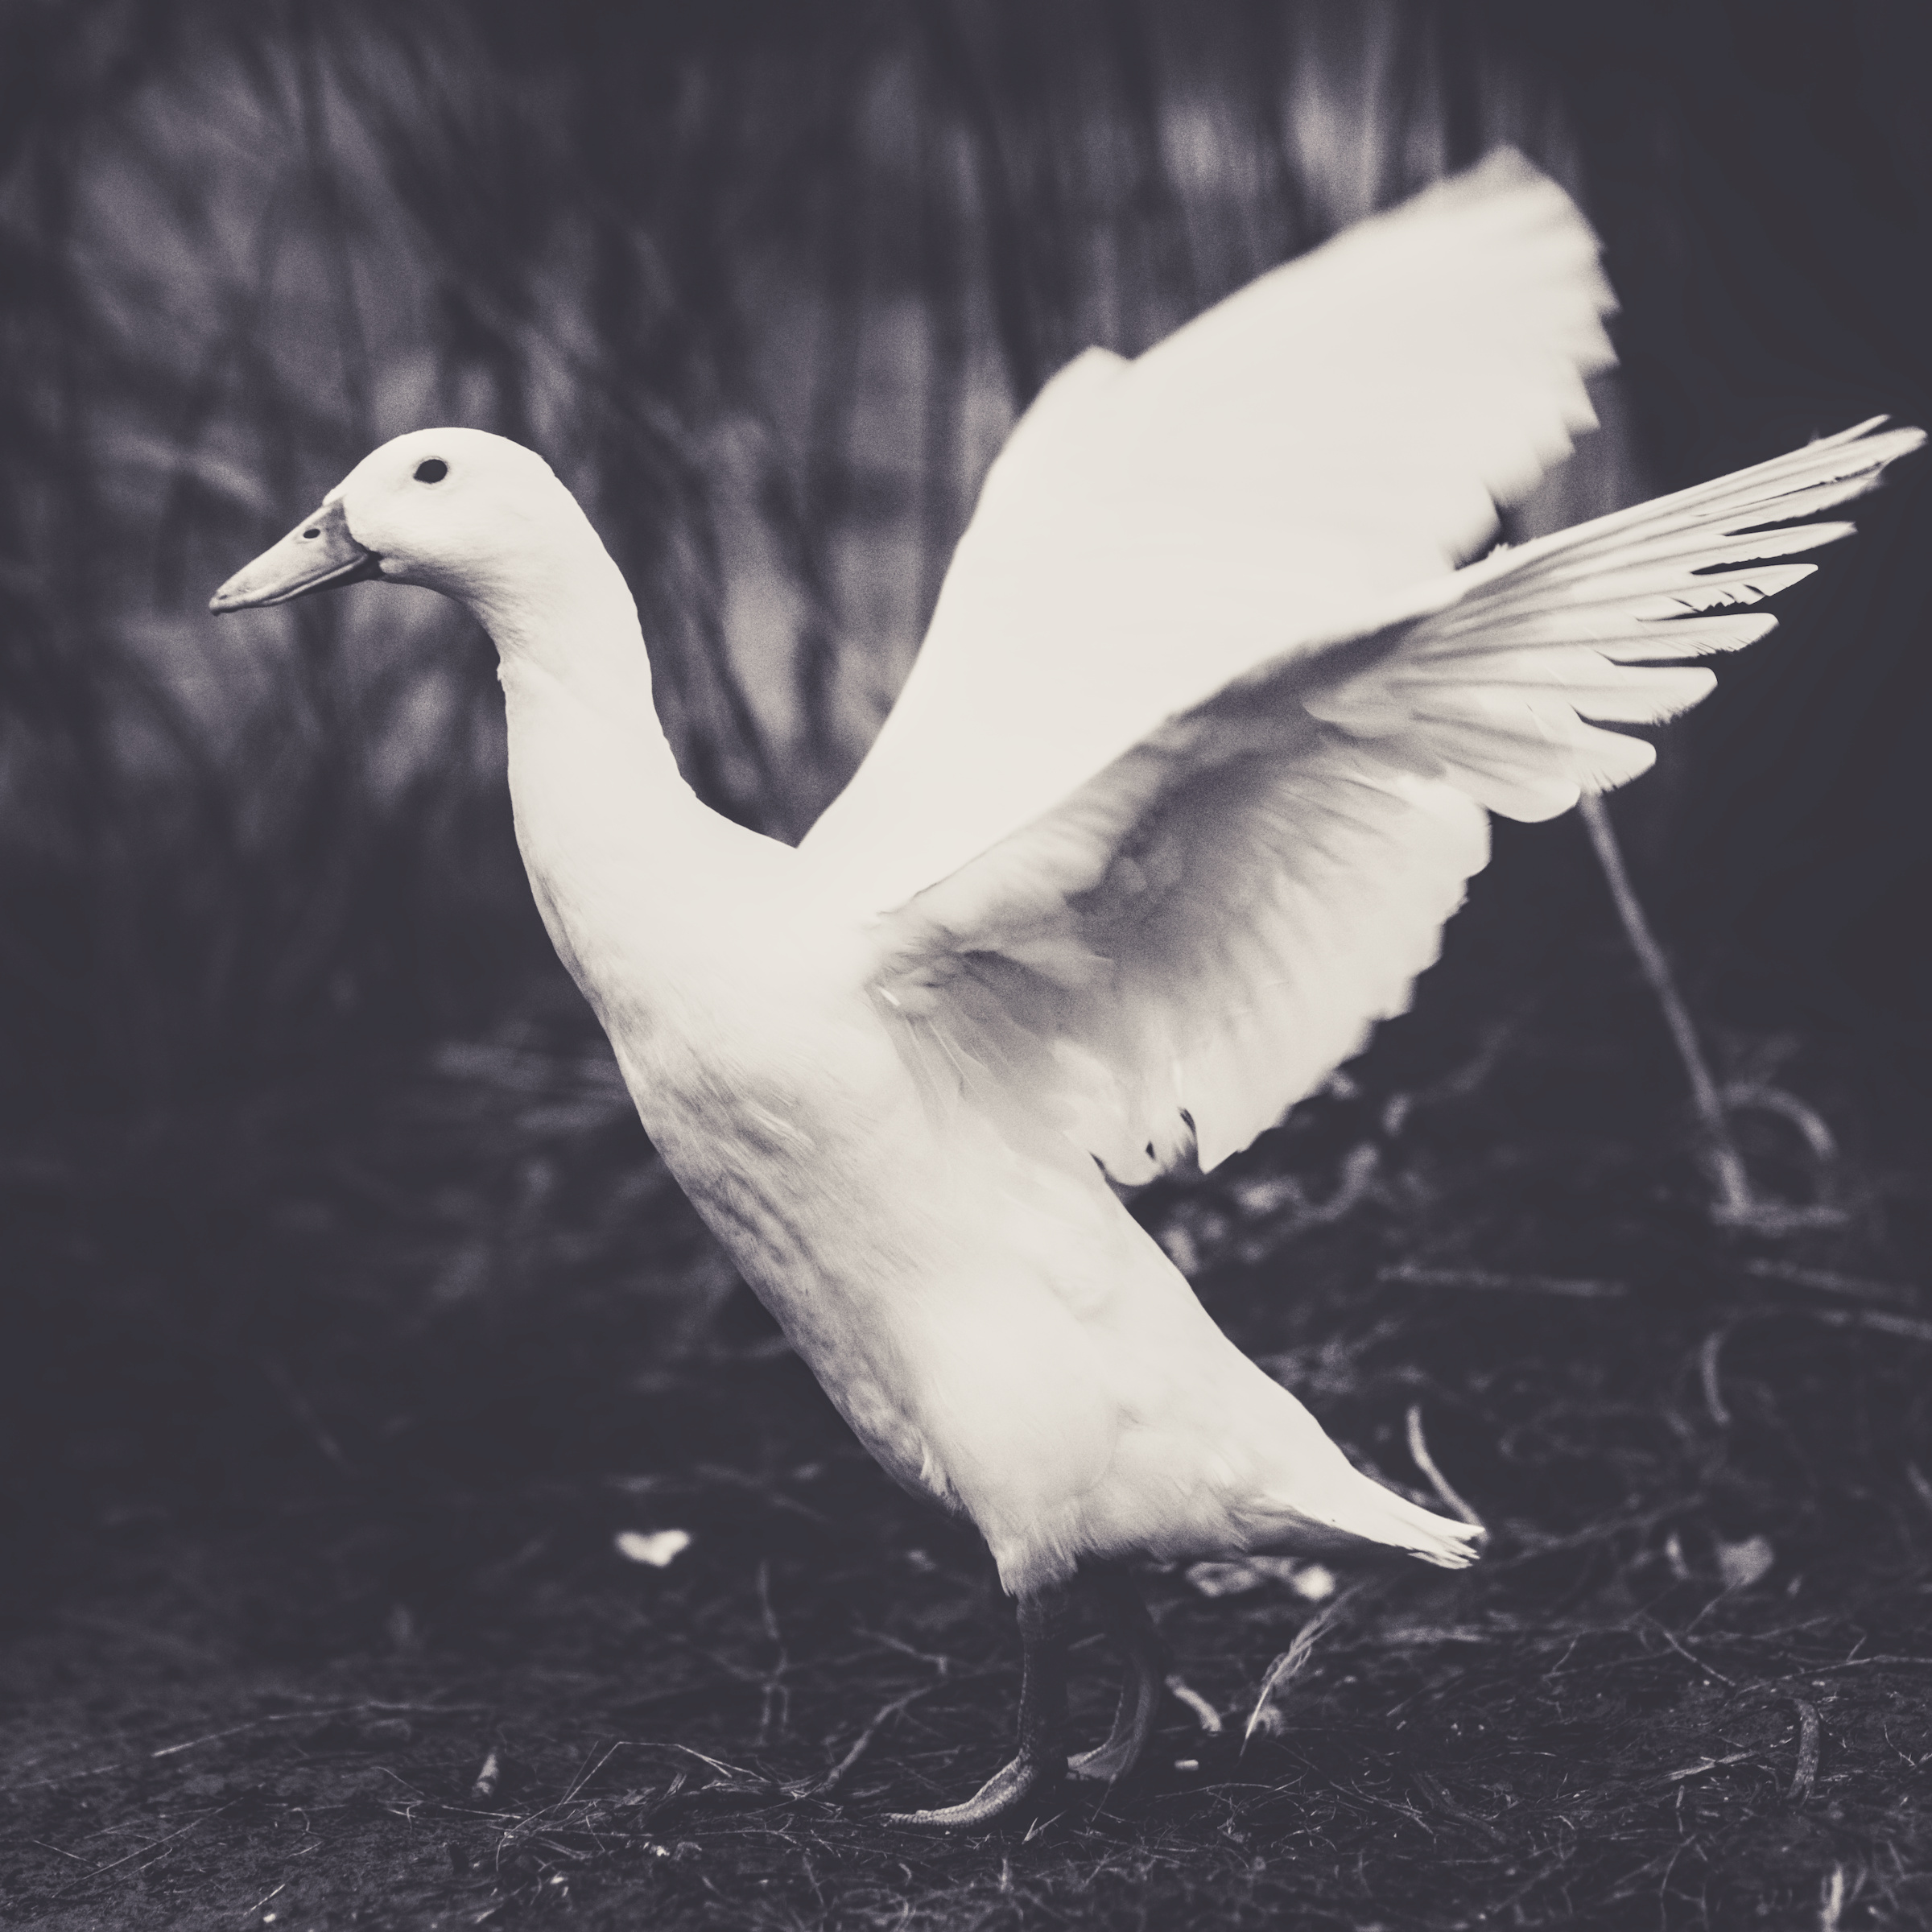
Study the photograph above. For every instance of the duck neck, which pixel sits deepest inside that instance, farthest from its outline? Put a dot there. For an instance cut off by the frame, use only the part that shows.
(621, 854)
(571, 645)
(577, 680)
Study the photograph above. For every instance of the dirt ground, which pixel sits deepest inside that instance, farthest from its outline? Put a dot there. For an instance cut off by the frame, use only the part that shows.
(316, 1615)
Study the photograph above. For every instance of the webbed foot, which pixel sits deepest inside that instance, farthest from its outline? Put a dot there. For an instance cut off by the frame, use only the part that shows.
(1128, 1623)
(1014, 1787)
(1040, 1764)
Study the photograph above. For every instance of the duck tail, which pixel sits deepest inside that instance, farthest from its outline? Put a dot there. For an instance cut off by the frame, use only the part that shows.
(1401, 1524)
(1364, 1517)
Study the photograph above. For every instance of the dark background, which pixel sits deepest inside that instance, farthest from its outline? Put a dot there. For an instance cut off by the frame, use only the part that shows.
(1774, 281)
(348, 1315)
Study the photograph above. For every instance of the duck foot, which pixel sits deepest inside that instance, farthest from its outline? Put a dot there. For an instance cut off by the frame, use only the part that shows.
(1039, 1765)
(1125, 1616)
(1016, 1787)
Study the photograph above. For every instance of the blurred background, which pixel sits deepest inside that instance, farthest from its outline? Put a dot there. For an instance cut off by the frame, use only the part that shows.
(768, 284)
(347, 1314)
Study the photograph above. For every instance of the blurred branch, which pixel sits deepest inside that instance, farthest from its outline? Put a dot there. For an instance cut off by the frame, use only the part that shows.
(1737, 1205)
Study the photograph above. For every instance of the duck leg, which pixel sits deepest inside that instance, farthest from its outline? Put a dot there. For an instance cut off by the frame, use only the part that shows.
(1040, 1764)
(1125, 1616)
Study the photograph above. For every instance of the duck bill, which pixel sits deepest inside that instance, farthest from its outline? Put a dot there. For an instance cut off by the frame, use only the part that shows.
(316, 554)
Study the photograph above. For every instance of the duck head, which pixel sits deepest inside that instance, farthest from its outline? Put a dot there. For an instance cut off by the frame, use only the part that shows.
(476, 517)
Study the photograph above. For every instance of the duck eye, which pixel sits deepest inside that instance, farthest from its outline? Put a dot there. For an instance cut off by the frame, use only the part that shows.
(433, 470)
(314, 529)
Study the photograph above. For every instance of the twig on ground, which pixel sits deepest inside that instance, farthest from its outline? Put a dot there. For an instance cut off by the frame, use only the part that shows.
(1390, 1804)
(60, 1851)
(824, 1787)
(1736, 1206)
(1850, 1663)
(1829, 1281)
(1690, 1657)
(592, 1765)
(1708, 1764)
(298, 1406)
(1706, 1371)
(1831, 1899)
(1902, 1326)
(1807, 1752)
(1582, 1290)
(1433, 1789)
(155, 1844)
(940, 1663)
(777, 1696)
(1745, 1095)
(737, 1774)
(1289, 1665)
(1920, 1486)
(1418, 1448)
(319, 1715)
(1205, 1713)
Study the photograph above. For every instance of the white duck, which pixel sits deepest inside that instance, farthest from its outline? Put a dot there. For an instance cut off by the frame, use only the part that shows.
(1192, 769)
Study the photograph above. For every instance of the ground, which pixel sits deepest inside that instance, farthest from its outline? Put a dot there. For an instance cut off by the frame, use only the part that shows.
(316, 1618)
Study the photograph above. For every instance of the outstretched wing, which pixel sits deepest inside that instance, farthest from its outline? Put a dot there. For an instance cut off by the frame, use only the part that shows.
(1339, 429)
(1182, 947)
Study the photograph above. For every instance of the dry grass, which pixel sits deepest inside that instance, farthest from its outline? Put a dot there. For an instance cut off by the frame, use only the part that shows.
(286, 1611)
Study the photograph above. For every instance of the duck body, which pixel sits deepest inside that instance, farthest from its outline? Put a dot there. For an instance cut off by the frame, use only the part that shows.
(1003, 1337)
(1192, 767)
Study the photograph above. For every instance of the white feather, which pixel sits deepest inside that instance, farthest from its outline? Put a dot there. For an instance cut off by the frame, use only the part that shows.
(1341, 429)
(1188, 777)
(1238, 899)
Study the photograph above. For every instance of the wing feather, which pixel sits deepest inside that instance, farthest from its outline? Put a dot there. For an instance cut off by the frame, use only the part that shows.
(1338, 431)
(1192, 940)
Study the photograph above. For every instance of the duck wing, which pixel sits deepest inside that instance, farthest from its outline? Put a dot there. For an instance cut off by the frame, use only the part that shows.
(1185, 944)
(1339, 429)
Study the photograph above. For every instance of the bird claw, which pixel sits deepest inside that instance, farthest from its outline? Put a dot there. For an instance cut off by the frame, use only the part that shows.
(1016, 1786)
(1040, 1764)
(1105, 1763)
(1126, 1617)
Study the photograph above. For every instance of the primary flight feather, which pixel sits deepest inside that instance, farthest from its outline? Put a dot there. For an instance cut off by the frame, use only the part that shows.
(1193, 766)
